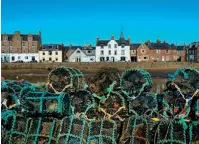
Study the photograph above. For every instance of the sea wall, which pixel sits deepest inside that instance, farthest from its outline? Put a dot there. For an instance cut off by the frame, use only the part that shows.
(97, 65)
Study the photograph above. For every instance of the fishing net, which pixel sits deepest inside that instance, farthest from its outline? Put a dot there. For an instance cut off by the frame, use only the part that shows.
(171, 132)
(134, 82)
(135, 131)
(61, 79)
(193, 132)
(10, 90)
(114, 106)
(44, 103)
(83, 104)
(66, 112)
(102, 132)
(104, 78)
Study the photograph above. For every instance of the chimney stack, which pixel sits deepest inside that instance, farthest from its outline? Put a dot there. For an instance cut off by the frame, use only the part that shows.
(112, 37)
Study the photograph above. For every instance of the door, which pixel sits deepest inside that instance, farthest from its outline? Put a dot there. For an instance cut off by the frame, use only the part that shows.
(33, 58)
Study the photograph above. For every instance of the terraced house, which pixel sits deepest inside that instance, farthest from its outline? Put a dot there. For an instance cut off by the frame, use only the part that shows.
(192, 52)
(20, 47)
(113, 50)
(52, 53)
(80, 54)
(145, 52)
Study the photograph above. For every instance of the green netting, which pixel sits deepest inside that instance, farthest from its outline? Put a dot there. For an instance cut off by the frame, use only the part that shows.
(132, 114)
(135, 131)
(134, 82)
(46, 104)
(61, 79)
(194, 132)
(102, 132)
(171, 132)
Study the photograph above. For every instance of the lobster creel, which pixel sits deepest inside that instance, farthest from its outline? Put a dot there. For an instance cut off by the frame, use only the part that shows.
(61, 79)
(135, 81)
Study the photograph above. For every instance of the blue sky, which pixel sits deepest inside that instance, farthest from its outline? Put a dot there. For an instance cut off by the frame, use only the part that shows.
(79, 22)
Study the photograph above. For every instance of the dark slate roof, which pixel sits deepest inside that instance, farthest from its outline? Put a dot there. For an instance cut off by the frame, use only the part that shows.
(102, 42)
(194, 45)
(160, 46)
(24, 37)
(180, 48)
(134, 46)
(120, 42)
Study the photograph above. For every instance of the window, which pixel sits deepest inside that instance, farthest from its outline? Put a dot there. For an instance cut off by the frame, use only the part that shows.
(122, 45)
(43, 53)
(56, 59)
(23, 44)
(50, 59)
(10, 43)
(115, 52)
(43, 59)
(49, 53)
(13, 58)
(102, 46)
(167, 58)
(109, 52)
(2, 44)
(115, 46)
(157, 51)
(19, 57)
(167, 51)
(122, 52)
(56, 53)
(107, 58)
(102, 52)
(89, 52)
(123, 59)
(109, 46)
(33, 44)
(145, 58)
(26, 57)
(101, 58)
(5, 38)
(143, 51)
(18, 38)
(78, 51)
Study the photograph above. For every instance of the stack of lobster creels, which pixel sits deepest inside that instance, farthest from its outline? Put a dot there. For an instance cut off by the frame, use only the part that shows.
(110, 108)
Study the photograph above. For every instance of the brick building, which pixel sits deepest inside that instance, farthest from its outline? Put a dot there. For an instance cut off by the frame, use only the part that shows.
(20, 47)
(155, 52)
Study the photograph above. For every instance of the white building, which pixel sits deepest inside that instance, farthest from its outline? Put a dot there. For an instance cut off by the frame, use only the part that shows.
(113, 50)
(81, 54)
(52, 53)
(14, 57)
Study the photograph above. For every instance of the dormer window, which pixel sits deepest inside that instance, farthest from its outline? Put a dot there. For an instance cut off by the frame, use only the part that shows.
(78, 51)
(122, 45)
(50, 47)
(102, 46)
(109, 46)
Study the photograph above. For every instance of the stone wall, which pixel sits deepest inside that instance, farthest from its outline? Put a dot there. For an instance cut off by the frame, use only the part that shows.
(97, 66)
